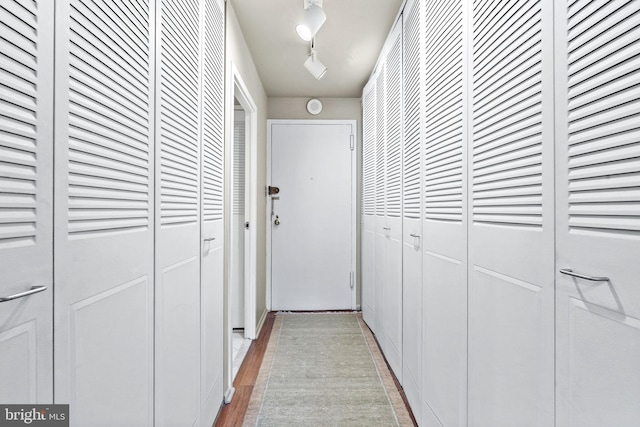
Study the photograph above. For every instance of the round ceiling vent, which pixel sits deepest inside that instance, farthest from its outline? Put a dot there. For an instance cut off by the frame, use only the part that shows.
(314, 106)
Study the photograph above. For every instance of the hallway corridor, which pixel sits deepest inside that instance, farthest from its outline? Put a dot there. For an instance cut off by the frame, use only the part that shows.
(464, 174)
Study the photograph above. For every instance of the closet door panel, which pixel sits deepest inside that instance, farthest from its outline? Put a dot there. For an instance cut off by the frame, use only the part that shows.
(212, 297)
(26, 192)
(598, 225)
(381, 220)
(103, 221)
(368, 208)
(413, 97)
(392, 286)
(178, 213)
(444, 214)
(511, 242)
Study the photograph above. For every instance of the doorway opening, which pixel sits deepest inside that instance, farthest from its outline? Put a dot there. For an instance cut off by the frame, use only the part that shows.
(239, 222)
(241, 176)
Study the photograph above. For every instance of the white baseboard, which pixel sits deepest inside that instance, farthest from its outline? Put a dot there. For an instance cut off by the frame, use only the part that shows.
(229, 395)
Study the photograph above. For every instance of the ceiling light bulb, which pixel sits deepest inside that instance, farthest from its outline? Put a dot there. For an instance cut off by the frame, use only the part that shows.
(303, 32)
(314, 18)
(315, 67)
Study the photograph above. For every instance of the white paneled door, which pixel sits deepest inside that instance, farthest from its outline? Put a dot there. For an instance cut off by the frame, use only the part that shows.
(178, 214)
(369, 208)
(313, 221)
(598, 214)
(104, 211)
(444, 343)
(380, 208)
(511, 202)
(26, 190)
(413, 98)
(392, 230)
(212, 227)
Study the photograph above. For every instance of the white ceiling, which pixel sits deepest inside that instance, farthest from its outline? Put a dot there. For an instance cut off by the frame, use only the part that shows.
(348, 44)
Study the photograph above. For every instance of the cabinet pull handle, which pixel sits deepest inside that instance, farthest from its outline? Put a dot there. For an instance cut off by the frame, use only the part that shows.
(414, 235)
(386, 228)
(570, 272)
(33, 290)
(210, 239)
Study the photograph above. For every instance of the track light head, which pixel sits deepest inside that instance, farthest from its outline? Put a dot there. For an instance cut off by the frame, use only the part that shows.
(314, 66)
(314, 18)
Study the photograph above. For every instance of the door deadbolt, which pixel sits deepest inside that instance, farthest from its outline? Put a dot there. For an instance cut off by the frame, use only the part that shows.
(272, 190)
(277, 220)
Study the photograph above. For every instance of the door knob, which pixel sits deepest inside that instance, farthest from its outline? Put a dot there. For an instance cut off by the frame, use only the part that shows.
(277, 220)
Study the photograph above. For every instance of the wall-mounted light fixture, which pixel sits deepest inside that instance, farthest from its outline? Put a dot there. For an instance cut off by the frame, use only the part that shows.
(313, 19)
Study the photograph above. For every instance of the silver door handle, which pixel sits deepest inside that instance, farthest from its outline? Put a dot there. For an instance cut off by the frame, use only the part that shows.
(570, 272)
(386, 228)
(210, 239)
(414, 235)
(33, 290)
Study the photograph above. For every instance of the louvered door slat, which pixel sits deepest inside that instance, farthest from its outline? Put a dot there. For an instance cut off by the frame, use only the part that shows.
(443, 113)
(20, 107)
(604, 117)
(214, 117)
(117, 33)
(393, 140)
(109, 118)
(238, 168)
(179, 113)
(507, 115)
(380, 123)
(369, 153)
(412, 203)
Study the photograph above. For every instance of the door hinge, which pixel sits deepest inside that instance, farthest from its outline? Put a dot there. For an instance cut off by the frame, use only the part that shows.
(352, 142)
(351, 279)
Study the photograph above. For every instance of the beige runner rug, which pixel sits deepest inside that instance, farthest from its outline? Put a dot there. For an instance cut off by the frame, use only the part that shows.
(324, 369)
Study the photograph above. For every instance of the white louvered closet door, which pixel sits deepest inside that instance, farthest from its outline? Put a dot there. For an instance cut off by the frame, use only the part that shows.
(598, 213)
(237, 224)
(511, 242)
(26, 173)
(368, 208)
(413, 98)
(380, 205)
(103, 211)
(178, 213)
(392, 287)
(212, 251)
(444, 344)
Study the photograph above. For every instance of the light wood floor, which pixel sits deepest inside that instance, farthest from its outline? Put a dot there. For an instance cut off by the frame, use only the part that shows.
(232, 414)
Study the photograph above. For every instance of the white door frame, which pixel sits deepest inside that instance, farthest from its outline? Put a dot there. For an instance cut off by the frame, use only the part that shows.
(241, 93)
(238, 90)
(354, 203)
